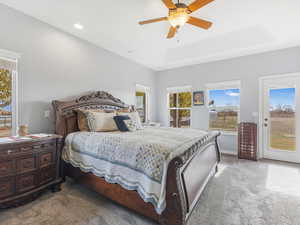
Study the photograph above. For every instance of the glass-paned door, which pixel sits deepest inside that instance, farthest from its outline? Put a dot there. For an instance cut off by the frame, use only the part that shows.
(281, 119)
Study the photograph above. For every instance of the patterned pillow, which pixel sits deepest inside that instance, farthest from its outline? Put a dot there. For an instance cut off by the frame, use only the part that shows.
(100, 121)
(81, 118)
(131, 125)
(135, 117)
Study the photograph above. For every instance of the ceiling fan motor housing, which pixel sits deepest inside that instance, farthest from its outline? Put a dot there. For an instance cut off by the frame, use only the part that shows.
(178, 16)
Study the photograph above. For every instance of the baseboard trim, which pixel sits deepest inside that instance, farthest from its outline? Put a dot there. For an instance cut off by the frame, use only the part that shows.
(228, 152)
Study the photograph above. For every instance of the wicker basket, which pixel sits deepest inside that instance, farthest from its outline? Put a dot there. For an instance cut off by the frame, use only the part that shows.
(247, 141)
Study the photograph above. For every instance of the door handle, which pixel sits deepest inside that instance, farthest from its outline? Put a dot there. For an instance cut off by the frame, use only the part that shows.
(265, 124)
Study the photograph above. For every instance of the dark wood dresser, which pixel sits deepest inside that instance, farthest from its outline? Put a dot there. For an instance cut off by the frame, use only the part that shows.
(27, 168)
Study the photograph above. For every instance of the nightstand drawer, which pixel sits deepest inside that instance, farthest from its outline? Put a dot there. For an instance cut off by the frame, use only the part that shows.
(7, 168)
(10, 152)
(6, 187)
(46, 159)
(26, 164)
(26, 182)
(45, 146)
(47, 174)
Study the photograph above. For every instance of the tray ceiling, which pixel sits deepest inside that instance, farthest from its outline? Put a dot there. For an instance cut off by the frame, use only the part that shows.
(241, 27)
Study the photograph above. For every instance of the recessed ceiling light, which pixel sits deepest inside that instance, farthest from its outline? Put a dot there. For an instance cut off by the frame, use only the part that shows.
(78, 26)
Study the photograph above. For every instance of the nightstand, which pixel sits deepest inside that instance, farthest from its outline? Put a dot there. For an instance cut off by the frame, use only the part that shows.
(28, 167)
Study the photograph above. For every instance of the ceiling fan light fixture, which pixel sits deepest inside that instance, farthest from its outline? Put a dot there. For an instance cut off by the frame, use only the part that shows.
(178, 17)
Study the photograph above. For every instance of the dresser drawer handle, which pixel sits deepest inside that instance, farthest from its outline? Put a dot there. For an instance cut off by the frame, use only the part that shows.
(23, 149)
(9, 152)
(2, 189)
(47, 159)
(37, 146)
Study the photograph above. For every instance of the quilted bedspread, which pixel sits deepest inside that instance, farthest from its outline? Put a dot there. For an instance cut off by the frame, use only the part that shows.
(135, 160)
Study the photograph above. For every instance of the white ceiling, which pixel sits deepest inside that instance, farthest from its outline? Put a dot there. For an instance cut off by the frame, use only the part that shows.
(241, 27)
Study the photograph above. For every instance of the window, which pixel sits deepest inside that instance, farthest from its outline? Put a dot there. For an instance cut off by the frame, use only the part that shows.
(142, 102)
(8, 73)
(224, 106)
(179, 104)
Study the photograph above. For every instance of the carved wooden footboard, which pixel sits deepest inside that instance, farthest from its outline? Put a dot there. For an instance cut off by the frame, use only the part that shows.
(185, 183)
(187, 174)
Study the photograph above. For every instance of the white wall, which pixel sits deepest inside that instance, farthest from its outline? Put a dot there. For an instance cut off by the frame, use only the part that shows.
(247, 69)
(56, 65)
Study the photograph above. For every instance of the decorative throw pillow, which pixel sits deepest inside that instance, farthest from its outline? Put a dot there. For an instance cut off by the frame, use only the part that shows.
(131, 125)
(81, 118)
(135, 117)
(120, 122)
(100, 121)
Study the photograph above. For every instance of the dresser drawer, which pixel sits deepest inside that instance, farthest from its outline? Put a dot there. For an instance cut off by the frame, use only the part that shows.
(7, 187)
(26, 182)
(48, 146)
(26, 164)
(46, 159)
(7, 168)
(10, 152)
(47, 174)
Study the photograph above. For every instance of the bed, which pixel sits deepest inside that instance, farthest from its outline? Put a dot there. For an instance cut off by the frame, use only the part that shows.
(187, 160)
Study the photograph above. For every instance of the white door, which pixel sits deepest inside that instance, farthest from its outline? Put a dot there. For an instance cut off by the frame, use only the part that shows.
(281, 107)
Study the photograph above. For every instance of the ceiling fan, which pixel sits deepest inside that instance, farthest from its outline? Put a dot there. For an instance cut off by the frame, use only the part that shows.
(179, 15)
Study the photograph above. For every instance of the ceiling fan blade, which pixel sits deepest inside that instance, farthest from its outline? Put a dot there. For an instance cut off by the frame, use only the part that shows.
(198, 4)
(169, 4)
(172, 32)
(199, 22)
(153, 20)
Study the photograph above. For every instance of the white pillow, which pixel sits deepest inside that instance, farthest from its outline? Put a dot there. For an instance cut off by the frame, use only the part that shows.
(101, 121)
(133, 116)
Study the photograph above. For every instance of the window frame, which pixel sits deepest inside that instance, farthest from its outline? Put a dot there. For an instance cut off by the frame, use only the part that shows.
(12, 56)
(236, 84)
(177, 90)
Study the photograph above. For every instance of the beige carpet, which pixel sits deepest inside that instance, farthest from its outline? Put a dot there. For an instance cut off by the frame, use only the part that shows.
(242, 193)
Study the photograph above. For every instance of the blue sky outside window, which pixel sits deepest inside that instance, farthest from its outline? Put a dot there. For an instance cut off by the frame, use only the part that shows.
(284, 97)
(226, 97)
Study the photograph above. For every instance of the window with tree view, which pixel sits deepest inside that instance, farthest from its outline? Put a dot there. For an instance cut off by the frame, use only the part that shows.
(7, 69)
(180, 104)
(224, 107)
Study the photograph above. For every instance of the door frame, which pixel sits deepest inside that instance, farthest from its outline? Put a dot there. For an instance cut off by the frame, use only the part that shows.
(261, 108)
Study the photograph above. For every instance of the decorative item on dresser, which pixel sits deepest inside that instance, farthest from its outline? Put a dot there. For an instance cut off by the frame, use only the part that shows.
(27, 167)
(186, 175)
(247, 141)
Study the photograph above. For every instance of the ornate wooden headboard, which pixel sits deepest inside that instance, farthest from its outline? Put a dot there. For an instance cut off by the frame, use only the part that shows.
(64, 110)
